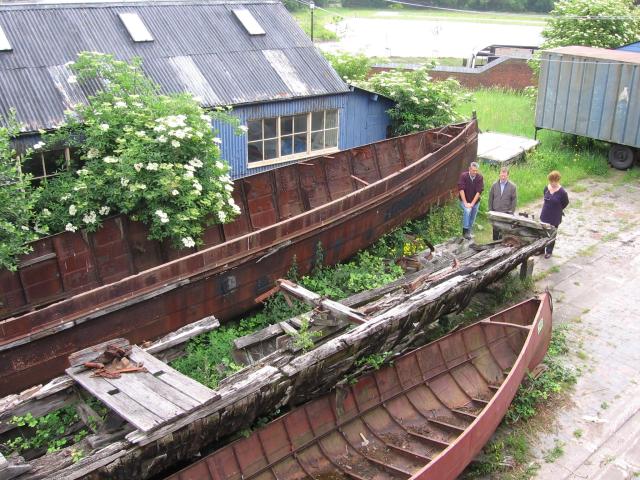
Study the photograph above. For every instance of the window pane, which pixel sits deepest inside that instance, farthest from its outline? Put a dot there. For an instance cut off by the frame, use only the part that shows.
(332, 119)
(317, 140)
(300, 143)
(331, 138)
(317, 120)
(270, 129)
(286, 125)
(286, 146)
(255, 129)
(54, 161)
(255, 152)
(270, 149)
(301, 123)
(33, 165)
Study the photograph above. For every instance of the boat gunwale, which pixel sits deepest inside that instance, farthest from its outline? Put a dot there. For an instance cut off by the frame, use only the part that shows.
(56, 325)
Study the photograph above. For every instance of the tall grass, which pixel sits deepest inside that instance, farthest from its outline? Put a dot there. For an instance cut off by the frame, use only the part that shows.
(513, 112)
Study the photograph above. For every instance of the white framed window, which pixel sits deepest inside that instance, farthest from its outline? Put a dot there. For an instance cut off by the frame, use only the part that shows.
(285, 138)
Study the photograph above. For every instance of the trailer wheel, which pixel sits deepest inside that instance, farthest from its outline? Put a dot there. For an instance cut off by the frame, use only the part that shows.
(621, 157)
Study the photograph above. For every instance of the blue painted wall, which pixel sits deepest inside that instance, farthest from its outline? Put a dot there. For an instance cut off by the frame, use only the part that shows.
(632, 47)
(362, 120)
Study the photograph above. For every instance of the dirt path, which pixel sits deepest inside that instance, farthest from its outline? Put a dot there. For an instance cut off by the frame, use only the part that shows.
(594, 277)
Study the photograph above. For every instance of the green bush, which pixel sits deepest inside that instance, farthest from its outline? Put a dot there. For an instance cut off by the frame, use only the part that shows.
(148, 155)
(351, 68)
(621, 25)
(420, 102)
(16, 201)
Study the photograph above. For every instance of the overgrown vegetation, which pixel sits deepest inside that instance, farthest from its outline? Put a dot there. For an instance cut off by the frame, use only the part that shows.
(351, 67)
(16, 202)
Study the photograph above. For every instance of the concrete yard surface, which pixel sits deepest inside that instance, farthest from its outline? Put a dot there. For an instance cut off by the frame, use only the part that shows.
(594, 277)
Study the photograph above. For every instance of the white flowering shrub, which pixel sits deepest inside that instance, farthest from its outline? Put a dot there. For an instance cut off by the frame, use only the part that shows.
(614, 23)
(153, 157)
(420, 102)
(16, 201)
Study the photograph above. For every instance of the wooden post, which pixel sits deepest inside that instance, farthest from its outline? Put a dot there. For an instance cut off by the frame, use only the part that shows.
(526, 268)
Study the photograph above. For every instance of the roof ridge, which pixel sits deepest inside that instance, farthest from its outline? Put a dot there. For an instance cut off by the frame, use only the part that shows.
(81, 4)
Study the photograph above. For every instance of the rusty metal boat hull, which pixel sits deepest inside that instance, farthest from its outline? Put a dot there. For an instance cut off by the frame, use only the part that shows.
(424, 417)
(344, 202)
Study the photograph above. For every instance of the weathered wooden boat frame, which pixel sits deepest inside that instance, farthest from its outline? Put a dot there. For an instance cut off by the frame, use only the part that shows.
(332, 434)
(289, 377)
(224, 280)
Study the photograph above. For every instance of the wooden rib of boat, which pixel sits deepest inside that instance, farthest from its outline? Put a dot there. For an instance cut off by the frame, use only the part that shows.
(424, 417)
(113, 283)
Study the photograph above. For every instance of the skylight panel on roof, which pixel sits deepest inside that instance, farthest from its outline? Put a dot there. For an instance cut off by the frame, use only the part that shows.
(136, 28)
(5, 46)
(249, 23)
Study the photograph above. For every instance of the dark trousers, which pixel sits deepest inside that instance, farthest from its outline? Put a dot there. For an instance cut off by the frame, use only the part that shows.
(496, 234)
(549, 248)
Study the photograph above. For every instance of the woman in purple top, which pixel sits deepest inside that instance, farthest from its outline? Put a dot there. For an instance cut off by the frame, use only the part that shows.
(555, 201)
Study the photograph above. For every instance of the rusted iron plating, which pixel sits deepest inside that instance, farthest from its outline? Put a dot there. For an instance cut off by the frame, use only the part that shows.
(286, 213)
(425, 417)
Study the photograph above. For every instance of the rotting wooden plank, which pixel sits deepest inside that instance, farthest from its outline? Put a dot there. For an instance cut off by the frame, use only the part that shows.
(165, 373)
(288, 329)
(259, 336)
(58, 392)
(183, 334)
(131, 411)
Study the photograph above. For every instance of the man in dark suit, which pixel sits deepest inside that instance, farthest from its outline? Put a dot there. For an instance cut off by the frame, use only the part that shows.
(503, 197)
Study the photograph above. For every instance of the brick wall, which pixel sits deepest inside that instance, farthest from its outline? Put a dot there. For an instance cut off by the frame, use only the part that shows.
(505, 72)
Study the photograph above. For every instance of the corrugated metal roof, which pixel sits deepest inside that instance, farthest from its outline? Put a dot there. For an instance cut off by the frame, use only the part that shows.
(598, 53)
(199, 47)
(632, 47)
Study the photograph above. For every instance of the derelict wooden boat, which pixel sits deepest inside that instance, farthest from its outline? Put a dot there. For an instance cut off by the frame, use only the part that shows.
(424, 417)
(113, 283)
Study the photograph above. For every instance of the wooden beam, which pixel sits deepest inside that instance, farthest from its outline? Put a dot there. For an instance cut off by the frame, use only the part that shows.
(337, 309)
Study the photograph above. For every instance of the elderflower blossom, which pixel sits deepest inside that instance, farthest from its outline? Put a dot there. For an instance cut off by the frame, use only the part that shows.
(104, 127)
(46, 212)
(164, 218)
(175, 143)
(104, 210)
(228, 188)
(110, 159)
(89, 218)
(175, 192)
(38, 146)
(141, 133)
(124, 181)
(219, 165)
(196, 163)
(69, 227)
(73, 210)
(197, 186)
(217, 140)
(120, 104)
(222, 216)
(152, 166)
(188, 242)
(83, 171)
(92, 153)
(138, 166)
(178, 133)
(159, 128)
(162, 139)
(243, 128)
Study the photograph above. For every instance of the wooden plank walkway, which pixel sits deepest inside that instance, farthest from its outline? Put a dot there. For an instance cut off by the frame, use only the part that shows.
(147, 400)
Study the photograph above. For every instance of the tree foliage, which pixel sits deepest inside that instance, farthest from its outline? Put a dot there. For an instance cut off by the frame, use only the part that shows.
(351, 68)
(612, 23)
(16, 201)
(148, 155)
(420, 102)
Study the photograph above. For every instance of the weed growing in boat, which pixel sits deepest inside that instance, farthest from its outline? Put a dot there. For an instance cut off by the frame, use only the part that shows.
(303, 338)
(77, 454)
(51, 432)
(555, 453)
(556, 378)
(375, 360)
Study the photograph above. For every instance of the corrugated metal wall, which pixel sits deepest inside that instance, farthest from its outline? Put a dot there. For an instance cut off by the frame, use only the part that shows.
(591, 97)
(362, 120)
(632, 47)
